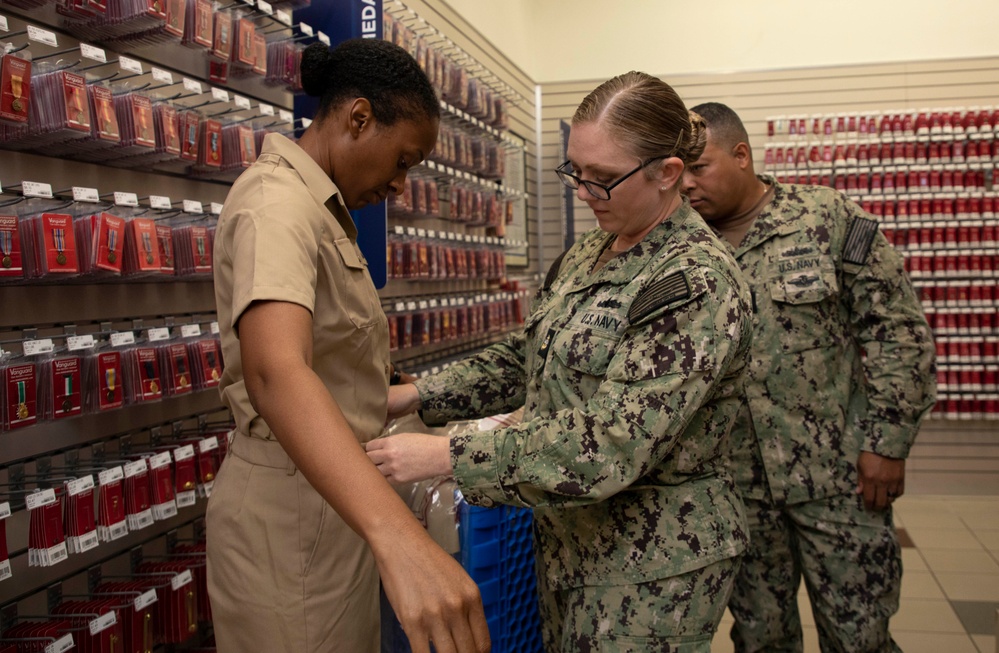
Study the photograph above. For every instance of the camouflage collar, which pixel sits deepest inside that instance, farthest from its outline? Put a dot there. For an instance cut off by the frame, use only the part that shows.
(769, 223)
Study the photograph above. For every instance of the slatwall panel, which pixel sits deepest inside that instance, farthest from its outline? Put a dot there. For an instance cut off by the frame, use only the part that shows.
(949, 457)
(522, 115)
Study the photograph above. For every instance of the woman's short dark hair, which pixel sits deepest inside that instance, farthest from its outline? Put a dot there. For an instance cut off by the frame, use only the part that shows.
(380, 71)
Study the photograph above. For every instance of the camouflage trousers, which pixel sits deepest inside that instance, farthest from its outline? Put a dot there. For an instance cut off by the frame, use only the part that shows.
(679, 614)
(851, 562)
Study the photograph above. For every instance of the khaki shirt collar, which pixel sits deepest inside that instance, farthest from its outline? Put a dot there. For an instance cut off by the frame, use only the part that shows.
(320, 186)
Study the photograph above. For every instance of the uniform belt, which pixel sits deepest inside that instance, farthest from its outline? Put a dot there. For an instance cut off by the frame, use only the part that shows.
(266, 453)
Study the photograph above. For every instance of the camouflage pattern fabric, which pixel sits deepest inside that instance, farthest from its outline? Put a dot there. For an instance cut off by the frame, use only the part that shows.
(631, 379)
(851, 562)
(842, 362)
(673, 615)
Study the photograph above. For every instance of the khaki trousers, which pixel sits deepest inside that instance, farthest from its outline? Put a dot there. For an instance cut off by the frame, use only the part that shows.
(285, 573)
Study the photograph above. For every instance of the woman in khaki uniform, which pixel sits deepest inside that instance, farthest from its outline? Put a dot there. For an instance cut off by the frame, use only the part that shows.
(300, 523)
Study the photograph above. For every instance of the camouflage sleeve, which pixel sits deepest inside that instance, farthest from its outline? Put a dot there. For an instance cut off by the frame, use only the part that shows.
(488, 383)
(888, 323)
(665, 368)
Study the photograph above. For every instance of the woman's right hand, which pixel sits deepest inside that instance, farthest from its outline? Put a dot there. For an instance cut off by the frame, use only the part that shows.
(402, 400)
(433, 598)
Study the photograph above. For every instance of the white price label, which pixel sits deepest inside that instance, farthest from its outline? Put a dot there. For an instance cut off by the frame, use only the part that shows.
(400, 307)
(161, 459)
(324, 39)
(192, 206)
(158, 333)
(75, 343)
(81, 194)
(208, 444)
(192, 85)
(135, 468)
(36, 189)
(61, 645)
(435, 370)
(42, 36)
(215, 208)
(129, 64)
(265, 109)
(241, 102)
(4, 510)
(190, 330)
(410, 231)
(421, 233)
(40, 498)
(286, 115)
(249, 2)
(162, 76)
(187, 498)
(219, 94)
(3, 24)
(35, 347)
(93, 53)
(144, 600)
(78, 485)
(161, 202)
(122, 338)
(410, 306)
(213, 328)
(284, 16)
(126, 199)
(306, 29)
(103, 622)
(107, 476)
(181, 579)
(423, 304)
(306, 122)
(265, 7)
(183, 453)
(433, 303)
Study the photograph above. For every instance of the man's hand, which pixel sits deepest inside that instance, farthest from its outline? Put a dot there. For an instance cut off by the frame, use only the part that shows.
(881, 480)
(402, 400)
(410, 457)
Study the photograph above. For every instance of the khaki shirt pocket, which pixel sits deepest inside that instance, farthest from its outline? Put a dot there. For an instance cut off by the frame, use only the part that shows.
(360, 302)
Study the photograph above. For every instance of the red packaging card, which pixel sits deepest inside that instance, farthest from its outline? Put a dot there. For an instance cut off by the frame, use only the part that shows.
(105, 115)
(110, 394)
(142, 117)
(77, 107)
(164, 239)
(191, 131)
(221, 45)
(22, 399)
(203, 23)
(201, 250)
(109, 231)
(144, 233)
(15, 88)
(213, 143)
(67, 396)
(180, 368)
(246, 53)
(59, 243)
(149, 374)
(260, 47)
(175, 13)
(171, 137)
(10, 247)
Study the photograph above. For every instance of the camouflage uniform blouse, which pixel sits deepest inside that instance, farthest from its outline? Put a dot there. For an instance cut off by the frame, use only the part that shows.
(631, 380)
(826, 286)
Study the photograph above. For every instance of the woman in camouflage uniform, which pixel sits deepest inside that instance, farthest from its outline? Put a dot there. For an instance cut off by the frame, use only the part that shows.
(629, 368)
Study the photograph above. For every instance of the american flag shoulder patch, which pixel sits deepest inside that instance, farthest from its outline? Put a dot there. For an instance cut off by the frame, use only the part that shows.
(859, 238)
(667, 290)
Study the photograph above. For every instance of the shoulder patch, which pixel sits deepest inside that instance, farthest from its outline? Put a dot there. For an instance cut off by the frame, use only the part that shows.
(553, 271)
(661, 293)
(859, 238)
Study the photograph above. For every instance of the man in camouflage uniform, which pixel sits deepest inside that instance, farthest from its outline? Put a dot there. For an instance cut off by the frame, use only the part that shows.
(841, 373)
(631, 378)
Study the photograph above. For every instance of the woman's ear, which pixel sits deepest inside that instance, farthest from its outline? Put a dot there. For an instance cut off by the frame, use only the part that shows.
(670, 171)
(359, 117)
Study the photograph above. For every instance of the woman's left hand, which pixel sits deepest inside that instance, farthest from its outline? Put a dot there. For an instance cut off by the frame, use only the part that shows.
(410, 457)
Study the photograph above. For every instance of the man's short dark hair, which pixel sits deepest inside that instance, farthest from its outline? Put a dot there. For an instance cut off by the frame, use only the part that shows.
(725, 126)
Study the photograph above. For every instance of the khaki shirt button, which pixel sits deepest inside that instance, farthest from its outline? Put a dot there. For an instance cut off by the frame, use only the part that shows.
(487, 502)
(387, 370)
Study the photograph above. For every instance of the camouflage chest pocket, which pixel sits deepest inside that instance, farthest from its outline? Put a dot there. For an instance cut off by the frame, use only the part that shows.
(805, 294)
(581, 357)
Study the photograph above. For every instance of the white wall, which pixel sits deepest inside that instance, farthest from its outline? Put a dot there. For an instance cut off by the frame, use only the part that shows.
(560, 40)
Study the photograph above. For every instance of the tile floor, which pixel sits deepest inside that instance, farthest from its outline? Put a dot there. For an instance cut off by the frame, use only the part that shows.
(950, 583)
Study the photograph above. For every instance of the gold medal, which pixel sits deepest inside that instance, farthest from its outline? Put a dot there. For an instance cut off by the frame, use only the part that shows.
(22, 411)
(203, 260)
(112, 257)
(182, 381)
(215, 374)
(7, 261)
(154, 386)
(189, 485)
(149, 258)
(16, 105)
(61, 259)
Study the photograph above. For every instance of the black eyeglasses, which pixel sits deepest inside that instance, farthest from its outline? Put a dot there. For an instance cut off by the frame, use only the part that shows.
(599, 191)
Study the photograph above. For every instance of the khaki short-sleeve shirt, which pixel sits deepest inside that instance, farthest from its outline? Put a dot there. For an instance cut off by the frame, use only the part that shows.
(286, 235)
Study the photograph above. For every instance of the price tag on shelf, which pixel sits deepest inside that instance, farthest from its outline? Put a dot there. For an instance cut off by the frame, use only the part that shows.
(35, 347)
(144, 600)
(126, 199)
(135, 468)
(61, 645)
(410, 306)
(76, 343)
(158, 333)
(241, 102)
(36, 189)
(161, 202)
(215, 208)
(130, 65)
(3, 24)
(93, 53)
(421, 233)
(265, 7)
(161, 459)
(40, 35)
(190, 330)
(306, 29)
(220, 94)
(106, 476)
(323, 39)
(284, 16)
(306, 122)
(208, 444)
(122, 338)
(400, 307)
(78, 485)
(81, 194)
(286, 115)
(183, 453)
(181, 579)
(39, 499)
(193, 206)
(265, 109)
(213, 328)
(4, 510)
(423, 304)
(162, 76)
(192, 85)
(411, 231)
